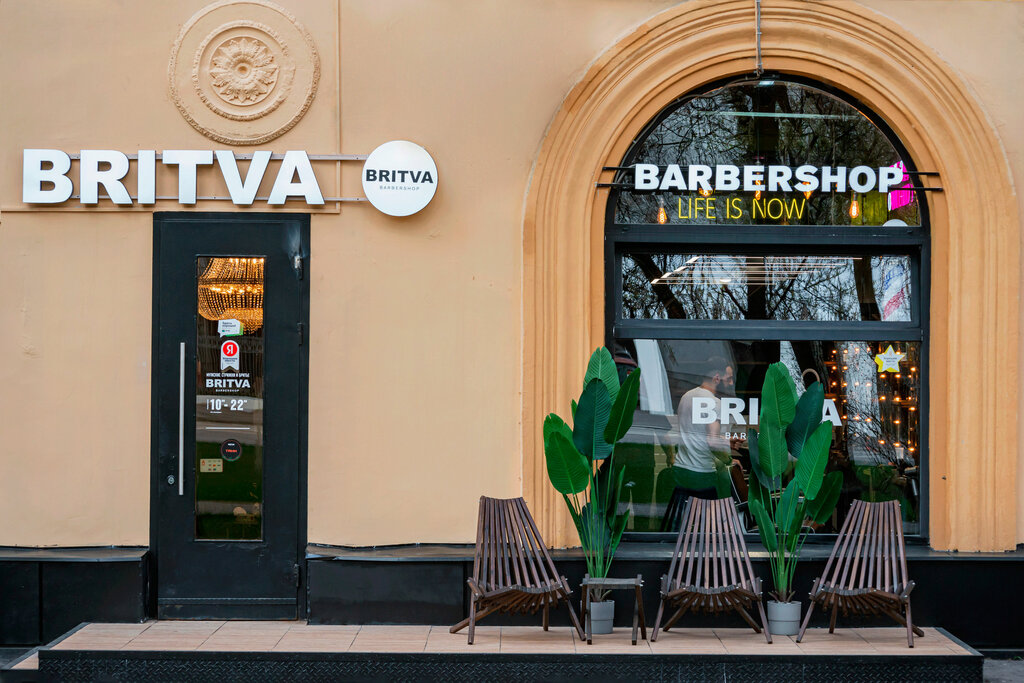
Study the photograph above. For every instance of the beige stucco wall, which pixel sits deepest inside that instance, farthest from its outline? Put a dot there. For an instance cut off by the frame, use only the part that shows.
(983, 40)
(416, 324)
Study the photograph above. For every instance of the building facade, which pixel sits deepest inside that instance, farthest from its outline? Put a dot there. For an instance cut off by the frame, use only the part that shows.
(176, 303)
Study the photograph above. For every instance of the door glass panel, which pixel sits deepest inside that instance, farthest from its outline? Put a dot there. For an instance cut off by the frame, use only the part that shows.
(229, 399)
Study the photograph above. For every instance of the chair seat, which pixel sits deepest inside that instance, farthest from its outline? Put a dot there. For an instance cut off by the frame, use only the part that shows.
(850, 592)
(734, 588)
(484, 591)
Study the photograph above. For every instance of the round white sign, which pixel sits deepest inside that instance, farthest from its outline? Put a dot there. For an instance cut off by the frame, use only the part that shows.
(399, 178)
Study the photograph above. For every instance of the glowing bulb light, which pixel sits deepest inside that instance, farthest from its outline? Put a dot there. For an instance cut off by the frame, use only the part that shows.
(854, 209)
(662, 215)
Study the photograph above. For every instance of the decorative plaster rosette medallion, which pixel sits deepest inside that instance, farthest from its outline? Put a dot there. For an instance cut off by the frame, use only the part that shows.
(243, 71)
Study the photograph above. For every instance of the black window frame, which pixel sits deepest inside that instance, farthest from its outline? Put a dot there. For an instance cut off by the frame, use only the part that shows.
(838, 240)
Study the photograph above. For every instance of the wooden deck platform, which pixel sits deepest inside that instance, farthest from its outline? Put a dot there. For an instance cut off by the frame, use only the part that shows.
(247, 651)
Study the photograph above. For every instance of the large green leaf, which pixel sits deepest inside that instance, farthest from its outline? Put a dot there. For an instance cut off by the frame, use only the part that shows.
(820, 509)
(621, 418)
(789, 515)
(602, 489)
(765, 526)
(602, 366)
(810, 467)
(755, 489)
(615, 493)
(592, 415)
(567, 468)
(806, 418)
(575, 515)
(778, 395)
(772, 484)
(773, 455)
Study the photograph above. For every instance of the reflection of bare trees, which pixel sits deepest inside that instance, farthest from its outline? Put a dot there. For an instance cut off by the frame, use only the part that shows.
(650, 272)
(756, 287)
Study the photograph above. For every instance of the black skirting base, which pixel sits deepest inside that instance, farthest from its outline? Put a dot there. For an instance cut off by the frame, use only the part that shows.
(46, 591)
(964, 593)
(226, 667)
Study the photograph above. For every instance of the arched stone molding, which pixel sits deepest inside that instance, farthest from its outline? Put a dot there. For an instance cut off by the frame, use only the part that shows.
(975, 320)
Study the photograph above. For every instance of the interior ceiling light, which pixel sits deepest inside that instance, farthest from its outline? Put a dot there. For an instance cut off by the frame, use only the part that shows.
(689, 262)
(232, 288)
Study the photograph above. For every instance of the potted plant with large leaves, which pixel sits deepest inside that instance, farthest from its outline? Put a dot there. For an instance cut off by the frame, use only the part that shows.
(788, 484)
(581, 466)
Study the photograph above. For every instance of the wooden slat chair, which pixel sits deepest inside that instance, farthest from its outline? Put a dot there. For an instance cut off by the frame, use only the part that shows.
(867, 571)
(512, 570)
(710, 570)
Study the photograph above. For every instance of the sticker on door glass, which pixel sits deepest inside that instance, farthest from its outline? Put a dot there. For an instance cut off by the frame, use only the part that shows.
(208, 465)
(230, 328)
(229, 355)
(890, 360)
(231, 450)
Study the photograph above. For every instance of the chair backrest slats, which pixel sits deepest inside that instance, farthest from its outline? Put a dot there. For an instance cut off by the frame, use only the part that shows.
(530, 574)
(508, 541)
(728, 555)
(544, 564)
(904, 576)
(509, 548)
(896, 524)
(849, 550)
(710, 551)
(685, 538)
(521, 566)
(491, 549)
(869, 551)
(532, 553)
(477, 559)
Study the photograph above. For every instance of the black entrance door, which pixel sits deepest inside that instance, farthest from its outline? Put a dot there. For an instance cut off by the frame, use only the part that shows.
(229, 393)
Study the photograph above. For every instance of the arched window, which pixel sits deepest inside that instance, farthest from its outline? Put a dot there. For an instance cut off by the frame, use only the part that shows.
(763, 221)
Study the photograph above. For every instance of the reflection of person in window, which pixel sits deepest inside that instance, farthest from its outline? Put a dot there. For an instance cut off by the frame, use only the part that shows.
(704, 455)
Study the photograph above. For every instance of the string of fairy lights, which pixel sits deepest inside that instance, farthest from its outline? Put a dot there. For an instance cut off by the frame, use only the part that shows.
(879, 408)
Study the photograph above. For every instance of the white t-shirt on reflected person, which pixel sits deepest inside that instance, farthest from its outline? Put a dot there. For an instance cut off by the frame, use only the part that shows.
(694, 451)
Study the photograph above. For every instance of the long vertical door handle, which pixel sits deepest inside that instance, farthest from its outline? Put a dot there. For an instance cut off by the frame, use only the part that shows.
(181, 422)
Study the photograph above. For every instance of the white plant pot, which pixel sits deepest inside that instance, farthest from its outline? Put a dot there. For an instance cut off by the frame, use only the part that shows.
(783, 618)
(601, 616)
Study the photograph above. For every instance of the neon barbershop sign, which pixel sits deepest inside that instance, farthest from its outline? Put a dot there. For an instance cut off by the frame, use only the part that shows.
(754, 178)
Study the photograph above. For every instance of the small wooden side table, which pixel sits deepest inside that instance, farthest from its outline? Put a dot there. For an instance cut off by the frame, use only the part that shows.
(594, 584)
